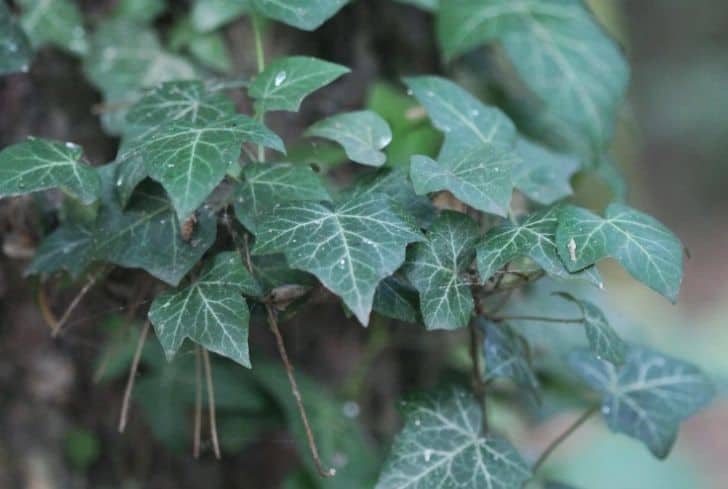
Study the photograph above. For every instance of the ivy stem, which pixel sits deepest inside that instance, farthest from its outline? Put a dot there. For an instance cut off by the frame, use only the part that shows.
(563, 436)
(478, 362)
(538, 318)
(211, 402)
(124, 416)
(56, 328)
(260, 60)
(198, 405)
(273, 323)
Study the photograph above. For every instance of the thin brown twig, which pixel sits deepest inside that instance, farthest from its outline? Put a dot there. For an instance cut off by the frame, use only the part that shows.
(56, 328)
(211, 402)
(563, 436)
(543, 319)
(478, 362)
(198, 405)
(124, 416)
(273, 323)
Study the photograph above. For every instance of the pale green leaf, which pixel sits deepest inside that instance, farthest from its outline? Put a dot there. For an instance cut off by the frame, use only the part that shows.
(15, 49)
(479, 177)
(541, 174)
(559, 51)
(208, 15)
(465, 120)
(39, 164)
(534, 238)
(266, 185)
(307, 15)
(397, 299)
(507, 355)
(437, 269)
(287, 81)
(604, 342)
(442, 445)
(190, 159)
(56, 22)
(211, 311)
(642, 245)
(363, 135)
(350, 247)
(70, 248)
(648, 397)
(147, 235)
(140, 10)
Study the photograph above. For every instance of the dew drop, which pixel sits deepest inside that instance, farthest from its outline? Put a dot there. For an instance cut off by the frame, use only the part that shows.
(428, 455)
(350, 409)
(606, 410)
(280, 78)
(410, 92)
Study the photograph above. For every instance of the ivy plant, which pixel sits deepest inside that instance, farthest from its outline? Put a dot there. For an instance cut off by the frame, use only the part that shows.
(235, 228)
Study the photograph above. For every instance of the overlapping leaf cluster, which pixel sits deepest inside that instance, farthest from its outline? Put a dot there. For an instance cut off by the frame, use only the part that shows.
(424, 240)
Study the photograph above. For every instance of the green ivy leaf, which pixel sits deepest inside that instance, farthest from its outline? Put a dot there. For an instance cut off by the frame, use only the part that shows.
(648, 397)
(147, 235)
(266, 185)
(190, 159)
(437, 269)
(603, 340)
(429, 5)
(208, 15)
(56, 22)
(287, 81)
(211, 311)
(442, 445)
(39, 164)
(350, 247)
(15, 49)
(363, 135)
(535, 238)
(558, 50)
(465, 120)
(479, 177)
(643, 246)
(507, 355)
(541, 174)
(395, 184)
(70, 248)
(307, 15)
(397, 299)
(140, 10)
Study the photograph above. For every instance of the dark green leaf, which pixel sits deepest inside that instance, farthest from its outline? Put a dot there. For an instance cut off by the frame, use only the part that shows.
(643, 246)
(534, 238)
(15, 50)
(140, 10)
(70, 247)
(303, 14)
(507, 355)
(287, 81)
(558, 50)
(397, 299)
(542, 174)
(211, 311)
(39, 164)
(479, 177)
(56, 22)
(266, 185)
(208, 15)
(442, 445)
(362, 134)
(350, 247)
(603, 340)
(437, 270)
(648, 397)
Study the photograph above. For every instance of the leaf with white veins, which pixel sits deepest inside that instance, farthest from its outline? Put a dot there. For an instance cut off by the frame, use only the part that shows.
(303, 14)
(350, 247)
(211, 311)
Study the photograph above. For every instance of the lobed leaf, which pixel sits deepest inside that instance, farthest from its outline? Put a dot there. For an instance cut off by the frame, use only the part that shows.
(437, 266)
(211, 311)
(363, 135)
(287, 81)
(40, 164)
(57, 22)
(442, 445)
(15, 49)
(648, 397)
(541, 174)
(396, 299)
(642, 245)
(208, 15)
(479, 177)
(350, 247)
